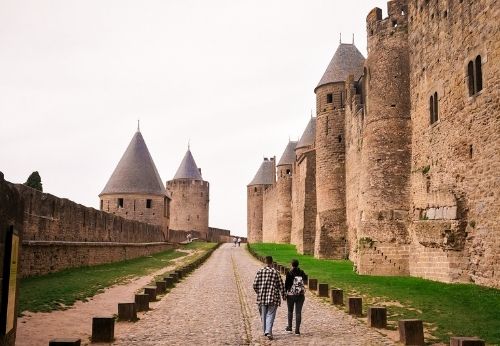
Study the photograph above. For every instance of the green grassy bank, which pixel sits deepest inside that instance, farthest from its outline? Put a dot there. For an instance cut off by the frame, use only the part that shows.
(59, 290)
(446, 309)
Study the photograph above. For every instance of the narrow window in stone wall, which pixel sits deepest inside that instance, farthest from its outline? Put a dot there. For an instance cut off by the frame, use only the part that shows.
(108, 204)
(431, 109)
(341, 99)
(435, 107)
(470, 72)
(288, 172)
(149, 202)
(329, 98)
(479, 74)
(120, 203)
(165, 206)
(134, 204)
(102, 204)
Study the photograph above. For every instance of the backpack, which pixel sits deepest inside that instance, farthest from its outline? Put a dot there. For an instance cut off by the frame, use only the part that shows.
(297, 286)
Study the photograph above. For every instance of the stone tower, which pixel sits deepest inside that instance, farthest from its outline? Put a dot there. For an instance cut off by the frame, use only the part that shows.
(331, 228)
(190, 198)
(284, 193)
(264, 178)
(135, 190)
(304, 191)
(386, 152)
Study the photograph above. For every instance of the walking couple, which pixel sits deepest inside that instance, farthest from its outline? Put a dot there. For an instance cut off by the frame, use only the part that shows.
(269, 287)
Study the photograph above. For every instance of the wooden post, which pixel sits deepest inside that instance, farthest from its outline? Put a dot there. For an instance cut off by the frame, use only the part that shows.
(323, 290)
(151, 292)
(175, 276)
(355, 306)
(169, 281)
(161, 287)
(142, 302)
(65, 342)
(411, 332)
(337, 296)
(127, 312)
(313, 284)
(103, 329)
(466, 341)
(179, 274)
(377, 317)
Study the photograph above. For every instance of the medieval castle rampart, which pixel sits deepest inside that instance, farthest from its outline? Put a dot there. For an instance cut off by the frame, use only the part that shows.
(403, 174)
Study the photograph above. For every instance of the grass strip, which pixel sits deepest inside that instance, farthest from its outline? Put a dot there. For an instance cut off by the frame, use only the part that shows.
(449, 309)
(59, 290)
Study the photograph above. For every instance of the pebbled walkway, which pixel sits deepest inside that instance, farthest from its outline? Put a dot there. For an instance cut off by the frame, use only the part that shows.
(215, 305)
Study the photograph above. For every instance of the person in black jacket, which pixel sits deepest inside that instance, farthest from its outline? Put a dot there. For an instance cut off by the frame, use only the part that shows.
(294, 287)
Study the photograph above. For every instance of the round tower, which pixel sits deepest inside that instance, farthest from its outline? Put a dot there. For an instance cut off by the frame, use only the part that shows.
(264, 178)
(331, 228)
(284, 193)
(386, 150)
(135, 190)
(190, 198)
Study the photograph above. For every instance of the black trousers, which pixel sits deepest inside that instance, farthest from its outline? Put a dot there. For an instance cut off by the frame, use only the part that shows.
(295, 302)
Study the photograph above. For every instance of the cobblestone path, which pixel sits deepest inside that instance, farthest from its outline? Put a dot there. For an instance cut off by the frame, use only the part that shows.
(215, 305)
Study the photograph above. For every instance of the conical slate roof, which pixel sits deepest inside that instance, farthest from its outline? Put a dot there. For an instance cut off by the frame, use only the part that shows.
(288, 157)
(136, 172)
(309, 135)
(188, 168)
(265, 174)
(346, 60)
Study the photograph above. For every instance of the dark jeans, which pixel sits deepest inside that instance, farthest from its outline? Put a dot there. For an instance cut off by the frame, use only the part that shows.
(297, 302)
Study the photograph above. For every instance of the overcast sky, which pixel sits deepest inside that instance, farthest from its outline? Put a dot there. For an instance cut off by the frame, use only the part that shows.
(236, 78)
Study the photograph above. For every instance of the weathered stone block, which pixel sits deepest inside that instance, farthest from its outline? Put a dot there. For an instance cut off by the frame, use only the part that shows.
(439, 213)
(65, 342)
(142, 302)
(161, 287)
(313, 284)
(400, 214)
(179, 274)
(355, 306)
(377, 317)
(411, 332)
(323, 290)
(337, 296)
(431, 213)
(466, 341)
(127, 312)
(450, 213)
(103, 329)
(151, 292)
(175, 276)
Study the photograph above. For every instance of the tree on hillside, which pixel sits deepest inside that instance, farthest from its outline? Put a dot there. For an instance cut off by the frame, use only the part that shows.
(34, 181)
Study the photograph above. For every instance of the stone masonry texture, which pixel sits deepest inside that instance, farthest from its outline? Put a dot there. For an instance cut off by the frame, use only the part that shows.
(407, 156)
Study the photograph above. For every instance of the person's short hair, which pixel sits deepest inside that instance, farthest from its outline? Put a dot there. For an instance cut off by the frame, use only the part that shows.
(269, 259)
(295, 263)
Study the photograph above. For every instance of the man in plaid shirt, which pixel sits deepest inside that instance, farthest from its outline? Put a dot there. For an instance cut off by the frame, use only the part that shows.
(270, 289)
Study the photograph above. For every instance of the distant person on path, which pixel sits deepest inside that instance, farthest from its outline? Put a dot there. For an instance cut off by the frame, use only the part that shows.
(239, 241)
(295, 290)
(188, 237)
(270, 289)
(234, 241)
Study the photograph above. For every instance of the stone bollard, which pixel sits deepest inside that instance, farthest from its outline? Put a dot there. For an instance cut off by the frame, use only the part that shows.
(65, 342)
(103, 329)
(337, 296)
(127, 312)
(466, 341)
(411, 332)
(313, 284)
(322, 290)
(169, 281)
(142, 302)
(355, 306)
(161, 287)
(151, 292)
(377, 317)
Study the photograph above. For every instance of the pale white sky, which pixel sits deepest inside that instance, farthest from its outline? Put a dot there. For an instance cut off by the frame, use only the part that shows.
(234, 77)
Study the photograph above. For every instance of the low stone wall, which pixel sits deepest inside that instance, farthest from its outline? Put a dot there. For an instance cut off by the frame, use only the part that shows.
(43, 257)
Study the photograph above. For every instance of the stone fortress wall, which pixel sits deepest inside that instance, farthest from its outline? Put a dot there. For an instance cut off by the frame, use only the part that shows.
(407, 157)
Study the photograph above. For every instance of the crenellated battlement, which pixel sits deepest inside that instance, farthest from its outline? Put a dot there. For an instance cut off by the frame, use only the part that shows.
(396, 20)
